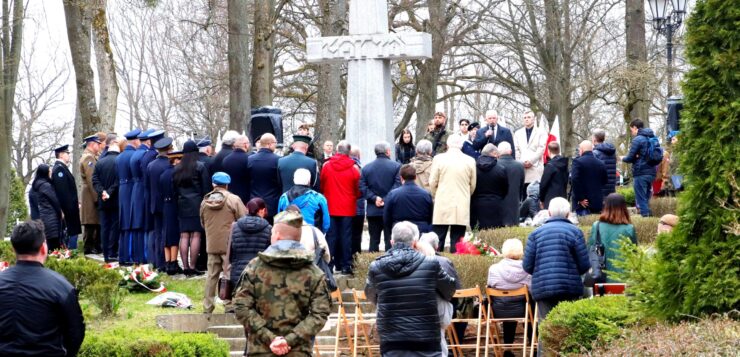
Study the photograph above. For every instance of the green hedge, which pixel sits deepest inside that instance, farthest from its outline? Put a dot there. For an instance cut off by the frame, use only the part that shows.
(574, 327)
(6, 252)
(17, 209)
(98, 284)
(152, 343)
(660, 206)
(629, 194)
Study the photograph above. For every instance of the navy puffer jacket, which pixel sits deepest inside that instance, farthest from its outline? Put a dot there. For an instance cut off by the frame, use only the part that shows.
(249, 236)
(404, 285)
(556, 256)
(606, 153)
(636, 155)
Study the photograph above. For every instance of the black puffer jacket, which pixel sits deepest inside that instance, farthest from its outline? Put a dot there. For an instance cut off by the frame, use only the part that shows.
(48, 207)
(249, 236)
(404, 285)
(606, 153)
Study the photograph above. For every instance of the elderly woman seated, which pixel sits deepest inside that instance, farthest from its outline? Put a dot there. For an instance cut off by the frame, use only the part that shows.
(508, 274)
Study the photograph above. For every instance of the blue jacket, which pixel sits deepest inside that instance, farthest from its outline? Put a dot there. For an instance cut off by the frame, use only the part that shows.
(153, 172)
(138, 197)
(469, 150)
(636, 155)
(148, 157)
(588, 176)
(378, 178)
(125, 187)
(606, 152)
(360, 201)
(265, 184)
(556, 256)
(311, 203)
(409, 203)
(236, 166)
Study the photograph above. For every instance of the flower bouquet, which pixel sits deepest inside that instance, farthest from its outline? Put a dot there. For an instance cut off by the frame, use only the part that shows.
(470, 245)
(4, 265)
(63, 253)
(141, 278)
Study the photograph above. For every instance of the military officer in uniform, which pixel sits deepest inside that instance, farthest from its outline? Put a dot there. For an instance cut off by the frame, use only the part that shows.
(297, 160)
(170, 222)
(205, 152)
(138, 203)
(124, 197)
(106, 184)
(66, 190)
(89, 210)
(153, 173)
(148, 157)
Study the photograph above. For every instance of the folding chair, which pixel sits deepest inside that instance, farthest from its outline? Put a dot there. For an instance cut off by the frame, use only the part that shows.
(342, 323)
(364, 325)
(609, 289)
(455, 343)
(535, 324)
(492, 321)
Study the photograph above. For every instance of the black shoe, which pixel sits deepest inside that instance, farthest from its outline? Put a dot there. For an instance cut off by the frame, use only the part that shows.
(347, 272)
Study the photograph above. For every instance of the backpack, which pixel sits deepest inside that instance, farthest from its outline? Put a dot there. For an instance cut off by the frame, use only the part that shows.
(654, 154)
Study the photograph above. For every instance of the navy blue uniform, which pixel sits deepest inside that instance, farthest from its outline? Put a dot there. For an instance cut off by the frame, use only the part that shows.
(66, 190)
(105, 178)
(125, 187)
(138, 206)
(297, 160)
(155, 208)
(170, 222)
(265, 184)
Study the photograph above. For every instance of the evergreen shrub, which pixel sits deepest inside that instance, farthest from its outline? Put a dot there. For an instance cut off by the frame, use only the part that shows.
(17, 210)
(496, 237)
(698, 265)
(152, 343)
(629, 194)
(92, 281)
(7, 254)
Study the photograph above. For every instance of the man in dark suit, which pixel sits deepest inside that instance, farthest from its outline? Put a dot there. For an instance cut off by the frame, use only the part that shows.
(554, 177)
(263, 170)
(154, 171)
(66, 190)
(493, 133)
(297, 160)
(236, 165)
(227, 147)
(515, 174)
(377, 179)
(105, 181)
(205, 150)
(409, 202)
(125, 188)
(588, 176)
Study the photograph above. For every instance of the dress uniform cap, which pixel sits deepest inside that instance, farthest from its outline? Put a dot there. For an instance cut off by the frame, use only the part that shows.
(473, 125)
(174, 154)
(293, 219)
(221, 178)
(145, 134)
(133, 134)
(91, 138)
(163, 143)
(302, 138)
(63, 148)
(155, 135)
(206, 141)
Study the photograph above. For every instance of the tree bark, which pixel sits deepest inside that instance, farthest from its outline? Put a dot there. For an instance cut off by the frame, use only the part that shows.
(238, 56)
(262, 59)
(106, 67)
(429, 69)
(12, 39)
(638, 102)
(79, 23)
(329, 96)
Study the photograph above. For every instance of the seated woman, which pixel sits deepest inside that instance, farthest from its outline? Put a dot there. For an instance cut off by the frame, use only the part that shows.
(508, 274)
(613, 224)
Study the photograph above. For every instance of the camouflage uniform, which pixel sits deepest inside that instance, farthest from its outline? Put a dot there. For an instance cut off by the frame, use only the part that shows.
(282, 293)
(432, 136)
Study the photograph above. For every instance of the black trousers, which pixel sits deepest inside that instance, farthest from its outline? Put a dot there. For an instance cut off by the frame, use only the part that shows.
(375, 227)
(91, 239)
(358, 224)
(109, 233)
(456, 232)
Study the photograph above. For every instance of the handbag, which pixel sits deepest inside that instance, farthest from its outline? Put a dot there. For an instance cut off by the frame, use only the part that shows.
(318, 259)
(596, 274)
(224, 288)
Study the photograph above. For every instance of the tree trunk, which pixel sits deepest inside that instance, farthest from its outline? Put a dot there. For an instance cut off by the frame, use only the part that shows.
(262, 59)
(106, 67)
(12, 38)
(638, 102)
(329, 97)
(78, 32)
(429, 69)
(238, 55)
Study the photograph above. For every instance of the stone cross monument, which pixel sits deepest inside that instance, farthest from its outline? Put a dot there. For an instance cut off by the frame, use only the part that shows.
(369, 48)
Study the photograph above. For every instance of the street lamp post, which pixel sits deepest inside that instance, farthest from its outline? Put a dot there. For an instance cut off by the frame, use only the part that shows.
(667, 18)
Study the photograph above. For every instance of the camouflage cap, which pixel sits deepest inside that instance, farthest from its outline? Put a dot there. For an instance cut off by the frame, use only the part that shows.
(293, 219)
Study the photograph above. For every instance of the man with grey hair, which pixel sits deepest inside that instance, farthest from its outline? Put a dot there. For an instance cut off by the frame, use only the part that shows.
(556, 257)
(493, 133)
(422, 162)
(227, 147)
(452, 182)
(515, 177)
(408, 326)
(236, 166)
(340, 183)
(377, 179)
(606, 152)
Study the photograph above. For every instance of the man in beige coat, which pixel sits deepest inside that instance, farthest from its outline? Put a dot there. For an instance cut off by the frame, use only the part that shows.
(89, 197)
(452, 182)
(218, 211)
(529, 143)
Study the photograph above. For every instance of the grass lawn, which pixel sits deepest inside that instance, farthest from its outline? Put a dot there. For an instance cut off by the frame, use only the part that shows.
(136, 314)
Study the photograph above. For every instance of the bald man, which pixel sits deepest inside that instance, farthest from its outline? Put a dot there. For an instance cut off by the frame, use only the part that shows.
(264, 176)
(588, 176)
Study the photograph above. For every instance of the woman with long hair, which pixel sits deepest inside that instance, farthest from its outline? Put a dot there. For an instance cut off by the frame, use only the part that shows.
(249, 236)
(191, 182)
(405, 148)
(613, 224)
(45, 206)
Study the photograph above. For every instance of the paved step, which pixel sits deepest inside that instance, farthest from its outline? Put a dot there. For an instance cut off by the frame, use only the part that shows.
(236, 344)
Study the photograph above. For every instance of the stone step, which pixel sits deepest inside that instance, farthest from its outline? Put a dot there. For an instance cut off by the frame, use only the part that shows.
(236, 344)
(227, 331)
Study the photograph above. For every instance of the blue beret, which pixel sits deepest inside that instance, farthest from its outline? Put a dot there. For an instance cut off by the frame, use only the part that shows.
(133, 134)
(221, 178)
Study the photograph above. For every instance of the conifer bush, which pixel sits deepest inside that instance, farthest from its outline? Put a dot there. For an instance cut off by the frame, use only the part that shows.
(18, 210)
(698, 266)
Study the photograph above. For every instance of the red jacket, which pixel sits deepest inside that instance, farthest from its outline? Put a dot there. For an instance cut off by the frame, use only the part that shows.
(340, 183)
